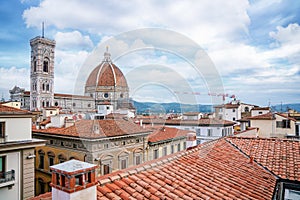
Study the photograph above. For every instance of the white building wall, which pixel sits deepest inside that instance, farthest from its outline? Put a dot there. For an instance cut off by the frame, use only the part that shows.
(258, 112)
(17, 129)
(85, 194)
(12, 162)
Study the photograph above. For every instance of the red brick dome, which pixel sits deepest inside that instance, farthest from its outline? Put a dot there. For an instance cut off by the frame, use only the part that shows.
(106, 74)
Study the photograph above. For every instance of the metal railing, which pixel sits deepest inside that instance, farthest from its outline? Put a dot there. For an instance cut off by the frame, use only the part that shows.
(7, 176)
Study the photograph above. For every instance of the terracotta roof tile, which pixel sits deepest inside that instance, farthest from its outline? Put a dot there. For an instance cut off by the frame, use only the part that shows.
(281, 156)
(96, 129)
(216, 170)
(10, 110)
(166, 133)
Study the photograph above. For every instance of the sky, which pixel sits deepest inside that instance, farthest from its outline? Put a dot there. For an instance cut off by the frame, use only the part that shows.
(169, 51)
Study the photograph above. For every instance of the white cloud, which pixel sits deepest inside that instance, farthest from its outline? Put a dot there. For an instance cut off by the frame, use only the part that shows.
(72, 41)
(11, 77)
(221, 27)
(67, 65)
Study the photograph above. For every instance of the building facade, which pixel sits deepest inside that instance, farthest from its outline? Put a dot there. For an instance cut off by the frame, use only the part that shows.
(16, 154)
(111, 144)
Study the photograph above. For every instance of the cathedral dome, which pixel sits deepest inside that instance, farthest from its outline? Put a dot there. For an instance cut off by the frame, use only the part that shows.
(106, 74)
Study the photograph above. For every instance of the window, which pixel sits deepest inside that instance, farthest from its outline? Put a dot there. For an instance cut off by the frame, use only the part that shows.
(246, 109)
(137, 159)
(46, 66)
(47, 87)
(233, 119)
(184, 145)
(155, 154)
(2, 129)
(198, 131)
(34, 65)
(56, 103)
(50, 141)
(105, 146)
(233, 110)
(62, 144)
(74, 146)
(106, 165)
(89, 105)
(123, 160)
(51, 156)
(172, 148)
(74, 104)
(178, 147)
(107, 107)
(47, 104)
(41, 159)
(105, 95)
(2, 166)
(123, 163)
(62, 158)
(51, 161)
(260, 112)
(43, 86)
(106, 169)
(209, 132)
(283, 124)
(165, 151)
(41, 186)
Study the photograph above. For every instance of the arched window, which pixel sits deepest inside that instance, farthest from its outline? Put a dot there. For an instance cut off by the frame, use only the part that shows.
(34, 64)
(123, 160)
(62, 158)
(137, 156)
(51, 157)
(46, 65)
(246, 109)
(41, 159)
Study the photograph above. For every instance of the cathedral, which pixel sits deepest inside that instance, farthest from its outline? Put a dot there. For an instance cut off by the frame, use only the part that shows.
(106, 84)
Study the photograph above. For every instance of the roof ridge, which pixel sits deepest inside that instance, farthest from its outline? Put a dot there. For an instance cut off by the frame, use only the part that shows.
(150, 164)
(262, 138)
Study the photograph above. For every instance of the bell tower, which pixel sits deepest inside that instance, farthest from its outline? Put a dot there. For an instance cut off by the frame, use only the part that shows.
(41, 73)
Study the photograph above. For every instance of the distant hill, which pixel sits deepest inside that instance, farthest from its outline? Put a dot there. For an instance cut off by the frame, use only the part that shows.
(150, 107)
(285, 107)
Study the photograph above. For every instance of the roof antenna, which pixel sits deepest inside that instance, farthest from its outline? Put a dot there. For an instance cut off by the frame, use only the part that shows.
(43, 30)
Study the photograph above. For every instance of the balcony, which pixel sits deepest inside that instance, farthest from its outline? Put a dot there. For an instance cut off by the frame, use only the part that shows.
(7, 178)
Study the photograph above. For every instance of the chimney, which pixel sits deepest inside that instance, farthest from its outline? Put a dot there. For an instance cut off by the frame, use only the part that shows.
(191, 140)
(74, 180)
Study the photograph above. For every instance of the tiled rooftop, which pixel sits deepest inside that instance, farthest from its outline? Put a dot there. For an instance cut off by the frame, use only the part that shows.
(281, 156)
(11, 110)
(220, 169)
(269, 116)
(96, 129)
(166, 133)
(216, 170)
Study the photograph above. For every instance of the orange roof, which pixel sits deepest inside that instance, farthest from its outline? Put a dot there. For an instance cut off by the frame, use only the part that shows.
(96, 129)
(280, 156)
(10, 110)
(214, 170)
(166, 133)
(220, 169)
(106, 74)
(269, 116)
